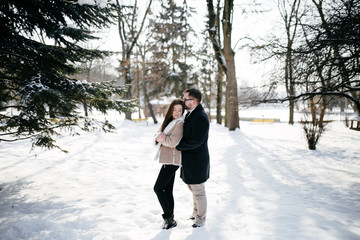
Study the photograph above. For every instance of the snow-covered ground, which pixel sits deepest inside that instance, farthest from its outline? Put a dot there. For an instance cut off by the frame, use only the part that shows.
(264, 184)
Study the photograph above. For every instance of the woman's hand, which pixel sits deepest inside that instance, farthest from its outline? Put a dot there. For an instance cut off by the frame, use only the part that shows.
(161, 137)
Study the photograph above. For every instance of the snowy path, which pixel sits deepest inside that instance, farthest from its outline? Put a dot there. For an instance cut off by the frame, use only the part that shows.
(264, 184)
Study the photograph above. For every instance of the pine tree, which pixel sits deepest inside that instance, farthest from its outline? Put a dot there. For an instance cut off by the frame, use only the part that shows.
(170, 32)
(39, 49)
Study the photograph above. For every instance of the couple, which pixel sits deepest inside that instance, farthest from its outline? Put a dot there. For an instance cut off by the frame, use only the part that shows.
(183, 143)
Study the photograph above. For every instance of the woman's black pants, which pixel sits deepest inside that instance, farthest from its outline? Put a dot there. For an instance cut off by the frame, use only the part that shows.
(164, 189)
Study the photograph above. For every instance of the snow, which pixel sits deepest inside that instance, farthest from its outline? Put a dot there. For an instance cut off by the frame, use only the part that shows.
(101, 3)
(264, 184)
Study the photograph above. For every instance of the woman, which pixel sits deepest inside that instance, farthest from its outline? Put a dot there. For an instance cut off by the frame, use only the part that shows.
(168, 137)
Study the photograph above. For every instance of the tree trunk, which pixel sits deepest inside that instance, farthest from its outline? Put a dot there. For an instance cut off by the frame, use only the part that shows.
(226, 120)
(147, 103)
(229, 55)
(290, 79)
(219, 96)
(228, 67)
(291, 105)
(322, 106)
(289, 12)
(85, 109)
(146, 95)
(125, 73)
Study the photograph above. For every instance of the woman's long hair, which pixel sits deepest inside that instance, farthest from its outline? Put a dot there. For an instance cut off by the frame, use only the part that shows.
(168, 115)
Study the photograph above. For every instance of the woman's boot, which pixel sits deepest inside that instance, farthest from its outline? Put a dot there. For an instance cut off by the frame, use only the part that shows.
(169, 223)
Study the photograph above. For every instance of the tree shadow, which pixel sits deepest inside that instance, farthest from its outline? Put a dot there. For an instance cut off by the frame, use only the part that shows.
(162, 235)
(21, 218)
(199, 233)
(294, 198)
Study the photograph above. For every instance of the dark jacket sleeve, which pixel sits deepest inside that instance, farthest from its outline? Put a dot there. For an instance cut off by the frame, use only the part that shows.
(199, 129)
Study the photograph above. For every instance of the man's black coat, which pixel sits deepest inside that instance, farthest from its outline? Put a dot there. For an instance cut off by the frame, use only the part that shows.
(194, 149)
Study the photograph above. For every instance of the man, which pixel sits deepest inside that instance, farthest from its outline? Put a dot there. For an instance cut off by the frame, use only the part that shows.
(195, 155)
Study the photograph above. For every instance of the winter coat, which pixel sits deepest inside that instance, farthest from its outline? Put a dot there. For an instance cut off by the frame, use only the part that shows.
(194, 149)
(167, 152)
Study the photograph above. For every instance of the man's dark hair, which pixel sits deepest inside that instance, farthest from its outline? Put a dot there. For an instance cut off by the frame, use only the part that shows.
(194, 93)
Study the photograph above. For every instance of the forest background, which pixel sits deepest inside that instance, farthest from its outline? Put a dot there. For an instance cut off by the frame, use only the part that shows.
(269, 41)
(237, 53)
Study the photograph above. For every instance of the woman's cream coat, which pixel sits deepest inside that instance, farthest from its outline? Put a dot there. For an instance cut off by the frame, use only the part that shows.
(167, 152)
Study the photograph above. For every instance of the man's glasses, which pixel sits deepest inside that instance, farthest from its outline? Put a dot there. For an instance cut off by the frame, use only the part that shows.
(188, 99)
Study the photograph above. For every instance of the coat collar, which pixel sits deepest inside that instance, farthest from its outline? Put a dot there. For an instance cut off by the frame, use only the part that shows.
(197, 109)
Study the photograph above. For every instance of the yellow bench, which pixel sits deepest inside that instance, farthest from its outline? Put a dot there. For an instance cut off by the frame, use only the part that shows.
(263, 120)
(136, 120)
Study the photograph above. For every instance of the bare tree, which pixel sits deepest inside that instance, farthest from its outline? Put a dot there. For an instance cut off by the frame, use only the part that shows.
(325, 59)
(352, 7)
(146, 79)
(329, 53)
(129, 32)
(289, 11)
(225, 57)
(208, 74)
